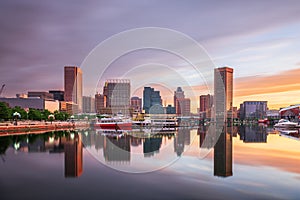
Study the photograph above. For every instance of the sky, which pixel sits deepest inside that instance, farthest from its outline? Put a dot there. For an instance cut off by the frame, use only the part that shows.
(260, 40)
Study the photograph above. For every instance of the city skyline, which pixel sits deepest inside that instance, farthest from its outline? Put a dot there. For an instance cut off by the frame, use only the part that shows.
(262, 47)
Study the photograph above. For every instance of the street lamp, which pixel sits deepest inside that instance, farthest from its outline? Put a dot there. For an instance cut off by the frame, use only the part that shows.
(72, 119)
(16, 116)
(51, 118)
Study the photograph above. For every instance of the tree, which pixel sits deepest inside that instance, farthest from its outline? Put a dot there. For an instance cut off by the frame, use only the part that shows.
(34, 114)
(5, 111)
(61, 116)
(45, 114)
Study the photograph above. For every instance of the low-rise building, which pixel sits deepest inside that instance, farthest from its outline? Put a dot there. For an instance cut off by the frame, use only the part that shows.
(36, 103)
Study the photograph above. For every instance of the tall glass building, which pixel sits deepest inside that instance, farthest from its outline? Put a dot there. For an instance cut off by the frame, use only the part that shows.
(223, 93)
(151, 100)
(117, 95)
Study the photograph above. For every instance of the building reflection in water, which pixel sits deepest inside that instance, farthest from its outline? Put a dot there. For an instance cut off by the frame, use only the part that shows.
(253, 134)
(152, 145)
(202, 130)
(116, 149)
(60, 142)
(223, 153)
(73, 155)
(182, 138)
(222, 148)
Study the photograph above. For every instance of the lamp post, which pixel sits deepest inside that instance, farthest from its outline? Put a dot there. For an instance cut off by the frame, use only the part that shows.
(72, 119)
(16, 116)
(51, 118)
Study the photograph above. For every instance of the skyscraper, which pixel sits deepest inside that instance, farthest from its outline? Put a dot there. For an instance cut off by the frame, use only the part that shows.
(223, 93)
(178, 94)
(117, 95)
(182, 105)
(151, 100)
(73, 85)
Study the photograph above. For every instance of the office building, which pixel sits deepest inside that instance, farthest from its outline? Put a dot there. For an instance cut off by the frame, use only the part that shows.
(57, 94)
(136, 104)
(206, 102)
(152, 101)
(178, 94)
(88, 104)
(170, 109)
(183, 107)
(99, 102)
(253, 109)
(41, 95)
(73, 85)
(223, 93)
(36, 103)
(117, 96)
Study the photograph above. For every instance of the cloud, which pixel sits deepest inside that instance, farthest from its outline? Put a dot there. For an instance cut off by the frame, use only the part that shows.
(45, 36)
(281, 82)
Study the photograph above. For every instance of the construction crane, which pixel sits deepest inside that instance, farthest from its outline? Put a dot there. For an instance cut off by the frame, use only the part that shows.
(1, 90)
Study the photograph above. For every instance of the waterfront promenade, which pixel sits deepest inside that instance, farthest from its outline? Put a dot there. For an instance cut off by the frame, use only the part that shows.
(38, 127)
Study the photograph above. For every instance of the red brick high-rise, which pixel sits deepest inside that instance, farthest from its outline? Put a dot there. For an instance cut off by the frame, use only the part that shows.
(73, 85)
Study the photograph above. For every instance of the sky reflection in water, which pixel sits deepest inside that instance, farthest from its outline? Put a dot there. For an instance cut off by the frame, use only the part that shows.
(264, 166)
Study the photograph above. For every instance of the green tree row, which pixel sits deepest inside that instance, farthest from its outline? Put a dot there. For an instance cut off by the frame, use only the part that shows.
(6, 113)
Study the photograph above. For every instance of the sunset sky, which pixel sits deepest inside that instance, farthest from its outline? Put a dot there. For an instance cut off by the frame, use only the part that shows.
(259, 39)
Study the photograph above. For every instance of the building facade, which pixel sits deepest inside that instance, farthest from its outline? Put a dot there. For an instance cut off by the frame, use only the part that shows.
(178, 94)
(253, 110)
(88, 104)
(57, 94)
(151, 99)
(36, 103)
(73, 85)
(41, 95)
(170, 109)
(206, 102)
(136, 104)
(183, 107)
(223, 93)
(117, 96)
(99, 103)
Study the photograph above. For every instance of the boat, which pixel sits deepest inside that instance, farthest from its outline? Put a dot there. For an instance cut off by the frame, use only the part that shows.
(292, 134)
(265, 120)
(289, 132)
(159, 122)
(284, 123)
(117, 123)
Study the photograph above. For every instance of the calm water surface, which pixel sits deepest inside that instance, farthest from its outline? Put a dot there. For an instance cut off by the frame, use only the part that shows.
(246, 162)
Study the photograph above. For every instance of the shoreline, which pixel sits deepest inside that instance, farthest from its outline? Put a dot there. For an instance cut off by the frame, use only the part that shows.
(40, 127)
